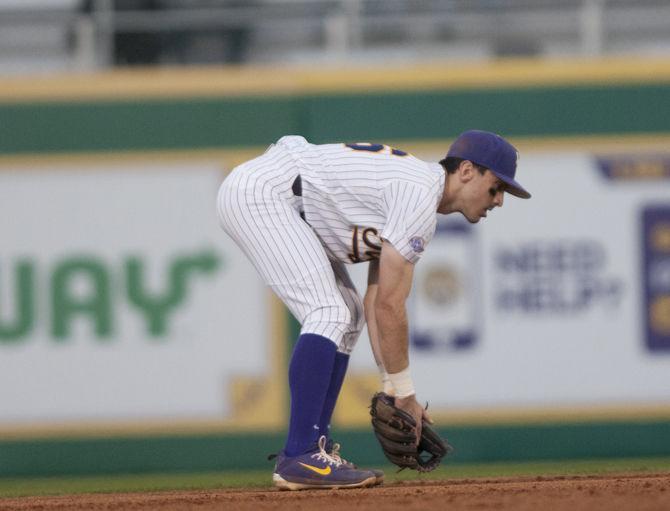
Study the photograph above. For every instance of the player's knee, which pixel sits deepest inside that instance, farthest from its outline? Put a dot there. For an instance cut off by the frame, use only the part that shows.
(356, 325)
(332, 321)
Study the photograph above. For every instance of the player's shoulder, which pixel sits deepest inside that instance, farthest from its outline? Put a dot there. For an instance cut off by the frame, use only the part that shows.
(365, 149)
(388, 163)
(373, 153)
(421, 174)
(418, 188)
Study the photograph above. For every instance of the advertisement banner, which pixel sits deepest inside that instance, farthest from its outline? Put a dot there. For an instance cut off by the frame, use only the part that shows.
(121, 299)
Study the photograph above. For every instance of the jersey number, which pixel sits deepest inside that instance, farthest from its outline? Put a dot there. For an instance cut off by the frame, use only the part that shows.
(376, 148)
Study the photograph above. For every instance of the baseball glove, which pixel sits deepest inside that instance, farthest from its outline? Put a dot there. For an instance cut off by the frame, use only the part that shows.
(396, 431)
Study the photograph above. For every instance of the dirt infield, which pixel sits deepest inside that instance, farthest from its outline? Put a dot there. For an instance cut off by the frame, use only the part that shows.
(592, 493)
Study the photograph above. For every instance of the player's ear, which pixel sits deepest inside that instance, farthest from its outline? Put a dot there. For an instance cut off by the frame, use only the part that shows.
(466, 171)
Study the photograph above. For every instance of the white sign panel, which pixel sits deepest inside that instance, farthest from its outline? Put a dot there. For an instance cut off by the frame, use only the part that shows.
(121, 298)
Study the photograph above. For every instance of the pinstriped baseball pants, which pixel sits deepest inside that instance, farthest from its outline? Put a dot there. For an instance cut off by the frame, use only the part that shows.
(257, 208)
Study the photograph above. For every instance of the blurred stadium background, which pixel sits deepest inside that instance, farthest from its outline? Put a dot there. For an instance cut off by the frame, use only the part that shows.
(134, 337)
(83, 35)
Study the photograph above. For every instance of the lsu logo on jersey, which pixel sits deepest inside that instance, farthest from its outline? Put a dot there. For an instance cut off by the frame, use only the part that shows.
(365, 244)
(418, 244)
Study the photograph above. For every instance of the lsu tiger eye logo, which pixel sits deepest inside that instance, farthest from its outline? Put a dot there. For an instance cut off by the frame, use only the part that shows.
(442, 285)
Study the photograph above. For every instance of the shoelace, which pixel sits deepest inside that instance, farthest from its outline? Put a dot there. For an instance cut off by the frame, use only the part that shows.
(322, 455)
(335, 453)
(332, 457)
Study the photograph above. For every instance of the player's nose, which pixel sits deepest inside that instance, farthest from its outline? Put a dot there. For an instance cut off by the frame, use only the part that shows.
(499, 199)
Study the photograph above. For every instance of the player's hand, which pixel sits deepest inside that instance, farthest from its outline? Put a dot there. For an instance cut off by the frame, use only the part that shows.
(418, 412)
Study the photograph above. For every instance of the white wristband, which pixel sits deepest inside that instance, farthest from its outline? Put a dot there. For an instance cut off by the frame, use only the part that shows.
(402, 383)
(387, 386)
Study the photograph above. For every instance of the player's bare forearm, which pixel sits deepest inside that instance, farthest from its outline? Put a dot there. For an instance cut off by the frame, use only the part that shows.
(393, 333)
(394, 285)
(369, 308)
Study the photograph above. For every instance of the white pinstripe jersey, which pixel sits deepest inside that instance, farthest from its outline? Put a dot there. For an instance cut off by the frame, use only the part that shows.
(355, 194)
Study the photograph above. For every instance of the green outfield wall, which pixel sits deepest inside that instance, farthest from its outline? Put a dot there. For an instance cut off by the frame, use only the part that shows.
(128, 113)
(223, 109)
(221, 122)
(213, 452)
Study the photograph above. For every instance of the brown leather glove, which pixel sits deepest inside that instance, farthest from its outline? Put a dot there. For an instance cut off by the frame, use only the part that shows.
(396, 431)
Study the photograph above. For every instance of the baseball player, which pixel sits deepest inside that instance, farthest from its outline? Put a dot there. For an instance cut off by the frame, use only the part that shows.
(301, 212)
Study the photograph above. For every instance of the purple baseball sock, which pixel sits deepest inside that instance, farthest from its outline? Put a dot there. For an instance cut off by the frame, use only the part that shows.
(309, 376)
(336, 380)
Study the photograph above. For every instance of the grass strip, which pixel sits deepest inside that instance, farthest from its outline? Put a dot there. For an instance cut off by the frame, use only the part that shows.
(23, 487)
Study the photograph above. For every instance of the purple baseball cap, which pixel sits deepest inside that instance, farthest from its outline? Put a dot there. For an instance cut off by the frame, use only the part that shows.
(493, 152)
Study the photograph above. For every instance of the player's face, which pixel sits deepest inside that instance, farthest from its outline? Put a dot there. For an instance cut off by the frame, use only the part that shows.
(483, 193)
